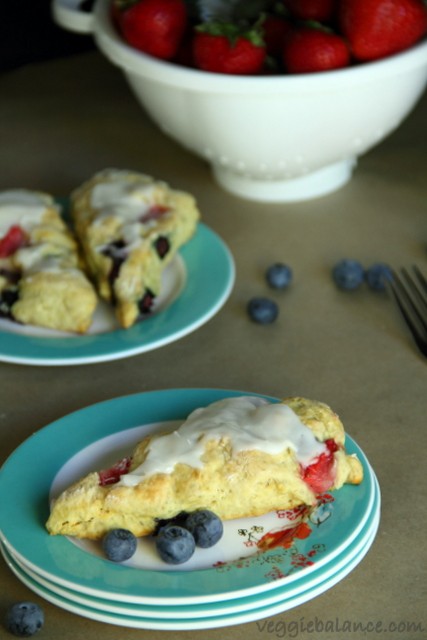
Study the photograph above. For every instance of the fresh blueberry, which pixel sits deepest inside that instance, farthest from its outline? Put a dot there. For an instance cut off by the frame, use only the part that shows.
(24, 619)
(119, 545)
(263, 310)
(279, 276)
(348, 274)
(205, 526)
(175, 544)
(377, 276)
(162, 245)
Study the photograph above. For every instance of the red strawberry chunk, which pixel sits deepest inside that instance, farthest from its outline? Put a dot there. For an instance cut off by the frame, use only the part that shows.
(14, 239)
(114, 473)
(320, 475)
(154, 213)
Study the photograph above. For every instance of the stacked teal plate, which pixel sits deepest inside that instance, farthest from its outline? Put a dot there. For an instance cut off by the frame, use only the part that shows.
(255, 571)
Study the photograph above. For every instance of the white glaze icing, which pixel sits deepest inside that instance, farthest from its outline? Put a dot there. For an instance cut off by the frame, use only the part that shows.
(23, 208)
(39, 257)
(26, 209)
(122, 198)
(249, 422)
(127, 201)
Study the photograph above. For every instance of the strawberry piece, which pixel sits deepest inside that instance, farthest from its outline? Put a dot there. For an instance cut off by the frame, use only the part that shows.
(154, 213)
(14, 239)
(320, 475)
(155, 27)
(379, 28)
(114, 473)
(223, 48)
(319, 10)
(310, 50)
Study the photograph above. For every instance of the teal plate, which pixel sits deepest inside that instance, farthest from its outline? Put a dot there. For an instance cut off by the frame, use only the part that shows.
(204, 271)
(256, 610)
(25, 488)
(283, 592)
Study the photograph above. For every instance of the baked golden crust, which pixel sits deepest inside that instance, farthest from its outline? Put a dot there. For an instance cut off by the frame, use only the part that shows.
(233, 484)
(130, 227)
(44, 275)
(64, 301)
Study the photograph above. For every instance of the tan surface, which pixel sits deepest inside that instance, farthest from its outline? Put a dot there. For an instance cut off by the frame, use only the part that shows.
(62, 121)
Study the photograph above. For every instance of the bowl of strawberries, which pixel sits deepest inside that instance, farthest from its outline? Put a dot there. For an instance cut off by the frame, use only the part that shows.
(280, 97)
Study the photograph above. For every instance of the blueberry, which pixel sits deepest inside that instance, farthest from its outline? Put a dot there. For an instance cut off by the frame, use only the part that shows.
(377, 276)
(24, 619)
(279, 276)
(146, 302)
(205, 526)
(263, 310)
(175, 544)
(119, 545)
(348, 274)
(162, 246)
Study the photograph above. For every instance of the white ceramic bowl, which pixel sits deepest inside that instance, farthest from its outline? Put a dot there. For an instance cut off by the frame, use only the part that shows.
(270, 138)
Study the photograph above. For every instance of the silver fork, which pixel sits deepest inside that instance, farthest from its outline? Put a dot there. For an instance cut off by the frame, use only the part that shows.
(410, 293)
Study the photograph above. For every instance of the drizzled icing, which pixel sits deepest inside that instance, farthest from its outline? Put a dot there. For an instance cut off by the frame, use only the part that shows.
(129, 201)
(26, 209)
(249, 422)
(40, 258)
(121, 198)
(23, 208)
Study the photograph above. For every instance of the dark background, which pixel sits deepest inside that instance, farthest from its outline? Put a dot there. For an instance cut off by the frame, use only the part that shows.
(28, 34)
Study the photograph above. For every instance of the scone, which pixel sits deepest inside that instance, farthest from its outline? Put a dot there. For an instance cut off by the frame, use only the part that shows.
(41, 279)
(130, 226)
(238, 457)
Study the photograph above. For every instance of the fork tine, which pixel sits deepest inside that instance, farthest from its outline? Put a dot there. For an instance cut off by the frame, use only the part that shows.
(421, 278)
(417, 295)
(410, 305)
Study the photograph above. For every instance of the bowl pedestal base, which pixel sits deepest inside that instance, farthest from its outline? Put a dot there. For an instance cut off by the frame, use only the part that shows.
(312, 185)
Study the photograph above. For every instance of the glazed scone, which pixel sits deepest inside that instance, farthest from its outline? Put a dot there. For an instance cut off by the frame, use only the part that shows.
(238, 457)
(130, 226)
(41, 278)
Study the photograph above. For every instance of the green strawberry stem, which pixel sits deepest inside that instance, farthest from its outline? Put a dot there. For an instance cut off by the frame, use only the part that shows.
(233, 31)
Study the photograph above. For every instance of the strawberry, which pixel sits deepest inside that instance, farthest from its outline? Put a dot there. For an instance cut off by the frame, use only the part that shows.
(310, 49)
(379, 28)
(12, 241)
(275, 28)
(155, 27)
(320, 475)
(114, 473)
(224, 48)
(319, 10)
